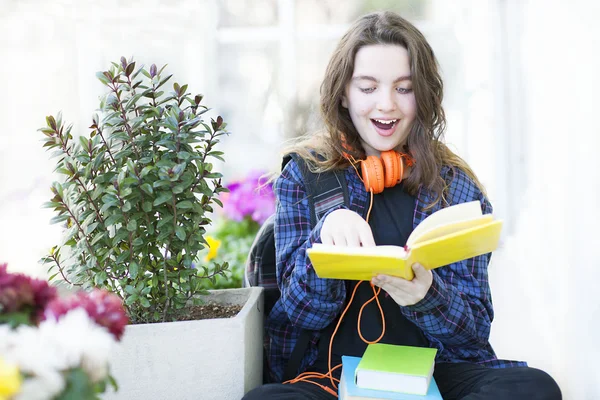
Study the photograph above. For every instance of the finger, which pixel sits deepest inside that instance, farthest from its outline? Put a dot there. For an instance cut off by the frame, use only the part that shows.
(397, 294)
(339, 239)
(366, 236)
(420, 272)
(352, 239)
(394, 283)
(326, 237)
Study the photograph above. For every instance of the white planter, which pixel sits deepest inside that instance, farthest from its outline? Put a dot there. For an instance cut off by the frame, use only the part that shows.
(205, 359)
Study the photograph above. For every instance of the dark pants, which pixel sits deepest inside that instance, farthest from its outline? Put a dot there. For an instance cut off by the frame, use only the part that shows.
(456, 381)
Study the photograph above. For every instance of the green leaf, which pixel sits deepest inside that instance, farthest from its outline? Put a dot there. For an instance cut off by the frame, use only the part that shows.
(147, 206)
(184, 155)
(164, 220)
(123, 256)
(161, 183)
(78, 386)
(180, 232)
(132, 225)
(138, 241)
(146, 187)
(113, 219)
(83, 141)
(126, 192)
(106, 206)
(178, 189)
(98, 238)
(113, 383)
(102, 78)
(146, 170)
(130, 289)
(129, 181)
(100, 278)
(185, 205)
(131, 299)
(51, 204)
(162, 82)
(59, 219)
(90, 228)
(134, 269)
(144, 302)
(98, 161)
(97, 192)
(162, 198)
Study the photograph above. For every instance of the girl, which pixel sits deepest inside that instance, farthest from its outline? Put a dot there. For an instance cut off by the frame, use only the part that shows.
(381, 101)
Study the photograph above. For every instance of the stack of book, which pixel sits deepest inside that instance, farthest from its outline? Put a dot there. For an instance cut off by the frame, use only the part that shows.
(389, 372)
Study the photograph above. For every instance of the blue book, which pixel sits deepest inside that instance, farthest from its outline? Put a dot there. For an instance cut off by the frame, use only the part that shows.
(347, 389)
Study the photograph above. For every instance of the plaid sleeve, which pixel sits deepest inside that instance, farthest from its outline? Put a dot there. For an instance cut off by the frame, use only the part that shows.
(457, 310)
(310, 302)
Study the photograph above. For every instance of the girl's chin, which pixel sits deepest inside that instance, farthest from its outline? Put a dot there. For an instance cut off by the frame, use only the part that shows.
(376, 149)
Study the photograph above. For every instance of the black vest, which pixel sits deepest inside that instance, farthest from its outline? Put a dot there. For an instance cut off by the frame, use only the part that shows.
(391, 221)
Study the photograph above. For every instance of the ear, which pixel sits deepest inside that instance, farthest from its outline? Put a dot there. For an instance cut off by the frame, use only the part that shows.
(344, 101)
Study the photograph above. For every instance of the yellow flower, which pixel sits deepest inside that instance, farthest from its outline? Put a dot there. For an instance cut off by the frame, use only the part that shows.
(213, 247)
(10, 379)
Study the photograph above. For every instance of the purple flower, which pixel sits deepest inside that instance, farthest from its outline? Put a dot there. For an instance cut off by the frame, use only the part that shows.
(249, 197)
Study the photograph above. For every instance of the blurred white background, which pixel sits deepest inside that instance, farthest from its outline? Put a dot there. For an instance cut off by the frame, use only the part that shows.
(521, 98)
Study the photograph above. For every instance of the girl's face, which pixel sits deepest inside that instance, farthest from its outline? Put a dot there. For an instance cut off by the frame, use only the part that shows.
(379, 97)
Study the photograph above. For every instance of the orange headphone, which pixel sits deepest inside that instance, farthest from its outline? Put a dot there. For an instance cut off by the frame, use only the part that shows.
(384, 171)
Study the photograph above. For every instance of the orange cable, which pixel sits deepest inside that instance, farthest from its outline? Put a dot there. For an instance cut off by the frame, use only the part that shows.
(303, 377)
(376, 298)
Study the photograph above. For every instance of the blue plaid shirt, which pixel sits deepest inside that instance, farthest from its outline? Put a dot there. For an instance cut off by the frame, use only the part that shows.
(455, 315)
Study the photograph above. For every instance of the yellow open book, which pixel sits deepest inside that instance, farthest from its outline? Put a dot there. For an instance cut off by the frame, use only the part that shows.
(452, 234)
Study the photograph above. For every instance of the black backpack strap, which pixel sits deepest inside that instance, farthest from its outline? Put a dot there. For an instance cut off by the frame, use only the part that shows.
(325, 190)
(293, 364)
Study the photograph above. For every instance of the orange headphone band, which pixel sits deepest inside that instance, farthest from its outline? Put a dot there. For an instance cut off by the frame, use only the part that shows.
(386, 170)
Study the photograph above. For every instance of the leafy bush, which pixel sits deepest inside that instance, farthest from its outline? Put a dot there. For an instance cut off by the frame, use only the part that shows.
(137, 193)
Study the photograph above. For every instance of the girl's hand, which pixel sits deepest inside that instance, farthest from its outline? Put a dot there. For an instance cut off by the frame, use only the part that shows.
(406, 293)
(346, 228)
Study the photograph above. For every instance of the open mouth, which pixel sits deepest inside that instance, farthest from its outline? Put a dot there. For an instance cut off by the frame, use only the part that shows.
(385, 124)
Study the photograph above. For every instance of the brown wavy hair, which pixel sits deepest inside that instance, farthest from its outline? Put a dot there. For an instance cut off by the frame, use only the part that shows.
(425, 139)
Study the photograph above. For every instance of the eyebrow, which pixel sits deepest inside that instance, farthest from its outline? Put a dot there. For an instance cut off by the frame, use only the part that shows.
(370, 78)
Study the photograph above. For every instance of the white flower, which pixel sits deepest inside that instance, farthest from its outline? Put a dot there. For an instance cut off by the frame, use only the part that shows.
(33, 351)
(45, 352)
(42, 387)
(82, 342)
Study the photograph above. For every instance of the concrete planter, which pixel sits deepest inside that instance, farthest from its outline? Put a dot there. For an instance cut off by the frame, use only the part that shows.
(205, 359)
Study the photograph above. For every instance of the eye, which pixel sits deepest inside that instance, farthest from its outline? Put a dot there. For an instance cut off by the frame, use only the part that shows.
(367, 90)
(403, 90)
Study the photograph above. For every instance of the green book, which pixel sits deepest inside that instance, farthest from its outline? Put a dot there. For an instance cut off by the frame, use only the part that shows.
(404, 369)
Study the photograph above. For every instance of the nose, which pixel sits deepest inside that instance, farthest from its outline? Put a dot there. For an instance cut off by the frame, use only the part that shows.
(386, 101)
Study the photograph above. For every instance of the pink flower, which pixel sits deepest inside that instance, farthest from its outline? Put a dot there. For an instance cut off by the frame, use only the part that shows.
(19, 293)
(105, 308)
(249, 197)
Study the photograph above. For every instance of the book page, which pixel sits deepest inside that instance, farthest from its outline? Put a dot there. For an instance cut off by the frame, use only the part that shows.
(445, 216)
(369, 251)
(457, 246)
(439, 231)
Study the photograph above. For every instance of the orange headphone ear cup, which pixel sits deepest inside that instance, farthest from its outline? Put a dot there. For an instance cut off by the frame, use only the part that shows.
(372, 173)
(393, 167)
